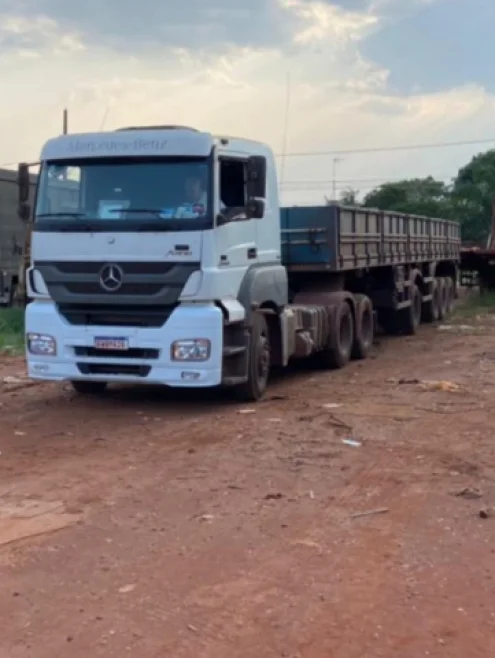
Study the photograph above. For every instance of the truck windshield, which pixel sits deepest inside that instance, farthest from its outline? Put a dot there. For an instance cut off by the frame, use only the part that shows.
(117, 194)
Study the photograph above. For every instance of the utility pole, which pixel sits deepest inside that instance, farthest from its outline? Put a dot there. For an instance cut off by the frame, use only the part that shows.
(286, 127)
(335, 162)
(65, 121)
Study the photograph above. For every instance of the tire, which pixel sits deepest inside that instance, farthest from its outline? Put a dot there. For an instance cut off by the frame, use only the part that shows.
(364, 330)
(259, 362)
(89, 388)
(341, 339)
(431, 309)
(442, 311)
(449, 295)
(410, 317)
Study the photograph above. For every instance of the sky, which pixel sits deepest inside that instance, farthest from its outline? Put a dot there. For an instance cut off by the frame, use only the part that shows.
(305, 76)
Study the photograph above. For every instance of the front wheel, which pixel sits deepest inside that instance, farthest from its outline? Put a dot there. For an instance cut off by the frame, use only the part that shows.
(89, 388)
(259, 362)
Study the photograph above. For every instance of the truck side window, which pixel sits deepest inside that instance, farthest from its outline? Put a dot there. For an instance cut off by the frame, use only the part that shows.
(233, 184)
(62, 190)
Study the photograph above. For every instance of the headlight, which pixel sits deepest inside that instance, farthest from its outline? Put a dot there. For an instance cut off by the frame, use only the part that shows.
(191, 349)
(41, 344)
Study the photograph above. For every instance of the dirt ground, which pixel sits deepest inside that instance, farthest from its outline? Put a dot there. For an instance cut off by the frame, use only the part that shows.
(155, 524)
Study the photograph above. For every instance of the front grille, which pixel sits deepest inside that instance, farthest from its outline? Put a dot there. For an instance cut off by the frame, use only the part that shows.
(113, 369)
(90, 267)
(133, 353)
(115, 316)
(125, 289)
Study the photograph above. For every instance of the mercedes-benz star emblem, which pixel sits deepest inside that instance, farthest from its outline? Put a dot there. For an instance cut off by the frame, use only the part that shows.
(111, 277)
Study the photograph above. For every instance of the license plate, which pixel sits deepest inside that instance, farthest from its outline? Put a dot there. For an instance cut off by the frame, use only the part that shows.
(109, 343)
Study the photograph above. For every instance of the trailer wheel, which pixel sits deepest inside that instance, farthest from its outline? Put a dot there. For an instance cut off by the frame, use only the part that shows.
(364, 329)
(442, 295)
(431, 309)
(410, 317)
(449, 295)
(259, 362)
(88, 388)
(341, 338)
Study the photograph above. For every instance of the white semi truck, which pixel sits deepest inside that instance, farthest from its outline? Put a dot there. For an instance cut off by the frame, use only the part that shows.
(161, 255)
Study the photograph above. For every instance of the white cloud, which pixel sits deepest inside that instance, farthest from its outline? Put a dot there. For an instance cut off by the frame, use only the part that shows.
(339, 100)
(320, 20)
(23, 36)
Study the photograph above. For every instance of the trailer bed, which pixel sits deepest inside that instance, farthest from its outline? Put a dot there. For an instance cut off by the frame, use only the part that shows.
(339, 238)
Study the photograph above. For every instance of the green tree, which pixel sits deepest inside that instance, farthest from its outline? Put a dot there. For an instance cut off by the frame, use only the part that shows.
(416, 196)
(472, 196)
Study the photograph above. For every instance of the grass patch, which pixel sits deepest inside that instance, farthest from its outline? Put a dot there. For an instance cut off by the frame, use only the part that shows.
(474, 304)
(12, 330)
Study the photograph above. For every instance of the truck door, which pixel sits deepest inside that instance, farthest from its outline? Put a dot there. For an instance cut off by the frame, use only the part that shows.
(237, 236)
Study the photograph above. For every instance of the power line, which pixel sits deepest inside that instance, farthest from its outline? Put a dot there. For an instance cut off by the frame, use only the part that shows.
(384, 179)
(377, 149)
(383, 149)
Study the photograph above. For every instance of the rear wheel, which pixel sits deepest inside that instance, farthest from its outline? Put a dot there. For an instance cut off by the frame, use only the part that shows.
(449, 295)
(364, 329)
(341, 338)
(89, 388)
(259, 362)
(410, 317)
(442, 296)
(431, 308)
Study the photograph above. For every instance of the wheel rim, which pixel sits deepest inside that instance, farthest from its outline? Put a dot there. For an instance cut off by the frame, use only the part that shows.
(263, 362)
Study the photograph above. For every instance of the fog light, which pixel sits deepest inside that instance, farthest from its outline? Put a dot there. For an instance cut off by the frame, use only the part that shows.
(191, 349)
(41, 344)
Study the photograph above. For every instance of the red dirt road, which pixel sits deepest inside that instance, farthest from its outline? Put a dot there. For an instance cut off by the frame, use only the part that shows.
(152, 524)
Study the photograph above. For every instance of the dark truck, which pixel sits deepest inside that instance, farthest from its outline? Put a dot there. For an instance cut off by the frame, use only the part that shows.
(13, 233)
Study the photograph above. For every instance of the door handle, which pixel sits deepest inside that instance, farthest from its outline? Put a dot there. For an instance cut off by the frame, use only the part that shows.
(252, 253)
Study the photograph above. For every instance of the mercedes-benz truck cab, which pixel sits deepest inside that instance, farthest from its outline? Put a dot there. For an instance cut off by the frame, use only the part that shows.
(149, 249)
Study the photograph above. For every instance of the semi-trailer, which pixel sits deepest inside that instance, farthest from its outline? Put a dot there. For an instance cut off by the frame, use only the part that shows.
(162, 255)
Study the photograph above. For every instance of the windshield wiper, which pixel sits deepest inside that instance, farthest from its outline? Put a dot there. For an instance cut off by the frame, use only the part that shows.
(61, 214)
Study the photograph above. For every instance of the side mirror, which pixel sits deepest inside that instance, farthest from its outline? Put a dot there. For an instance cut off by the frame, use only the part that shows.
(255, 209)
(24, 212)
(256, 177)
(23, 182)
